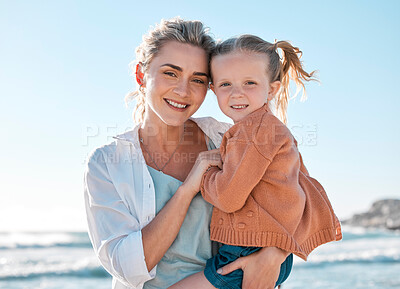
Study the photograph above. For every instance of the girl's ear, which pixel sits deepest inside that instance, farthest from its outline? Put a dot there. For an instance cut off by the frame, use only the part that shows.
(212, 87)
(274, 87)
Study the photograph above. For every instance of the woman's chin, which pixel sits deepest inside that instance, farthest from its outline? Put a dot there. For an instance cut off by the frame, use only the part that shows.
(177, 121)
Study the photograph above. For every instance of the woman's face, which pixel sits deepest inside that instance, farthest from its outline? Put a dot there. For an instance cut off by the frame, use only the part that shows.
(175, 83)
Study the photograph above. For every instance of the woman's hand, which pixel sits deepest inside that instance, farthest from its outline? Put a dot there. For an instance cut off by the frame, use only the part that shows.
(204, 161)
(260, 269)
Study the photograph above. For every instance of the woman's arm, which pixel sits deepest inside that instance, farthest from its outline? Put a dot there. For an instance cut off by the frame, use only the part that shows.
(126, 251)
(115, 231)
(260, 269)
(166, 225)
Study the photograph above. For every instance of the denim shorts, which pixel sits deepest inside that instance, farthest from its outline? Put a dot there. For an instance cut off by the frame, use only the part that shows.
(233, 280)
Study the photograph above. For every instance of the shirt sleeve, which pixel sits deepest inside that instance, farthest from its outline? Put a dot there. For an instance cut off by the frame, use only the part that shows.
(243, 167)
(114, 232)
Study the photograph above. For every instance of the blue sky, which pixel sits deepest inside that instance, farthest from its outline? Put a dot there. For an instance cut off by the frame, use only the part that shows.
(64, 73)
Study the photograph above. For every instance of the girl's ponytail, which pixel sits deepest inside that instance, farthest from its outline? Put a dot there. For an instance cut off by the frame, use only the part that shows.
(291, 68)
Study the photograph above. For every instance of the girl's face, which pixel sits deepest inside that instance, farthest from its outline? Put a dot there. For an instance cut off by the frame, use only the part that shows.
(175, 83)
(241, 83)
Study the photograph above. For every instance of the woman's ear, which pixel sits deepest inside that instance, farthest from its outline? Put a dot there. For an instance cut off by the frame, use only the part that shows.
(139, 74)
(274, 87)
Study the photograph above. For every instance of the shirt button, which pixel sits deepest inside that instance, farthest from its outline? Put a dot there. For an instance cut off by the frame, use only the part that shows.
(241, 225)
(250, 214)
(221, 221)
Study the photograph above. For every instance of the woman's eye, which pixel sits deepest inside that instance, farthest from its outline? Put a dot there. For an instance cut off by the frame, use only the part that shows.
(199, 81)
(169, 73)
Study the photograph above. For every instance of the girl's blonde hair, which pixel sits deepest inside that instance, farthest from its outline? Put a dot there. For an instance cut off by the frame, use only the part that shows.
(289, 67)
(175, 29)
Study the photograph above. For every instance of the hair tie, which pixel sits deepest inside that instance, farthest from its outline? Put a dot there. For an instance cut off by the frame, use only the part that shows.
(275, 46)
(141, 88)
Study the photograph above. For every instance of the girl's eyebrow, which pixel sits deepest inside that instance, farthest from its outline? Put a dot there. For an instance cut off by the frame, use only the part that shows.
(180, 69)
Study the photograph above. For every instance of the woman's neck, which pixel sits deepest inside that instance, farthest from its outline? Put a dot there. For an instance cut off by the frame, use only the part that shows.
(176, 146)
(157, 132)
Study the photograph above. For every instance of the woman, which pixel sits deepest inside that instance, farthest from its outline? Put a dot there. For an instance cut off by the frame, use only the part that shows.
(147, 223)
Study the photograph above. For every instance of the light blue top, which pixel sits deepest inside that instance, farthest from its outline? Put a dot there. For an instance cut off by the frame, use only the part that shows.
(192, 247)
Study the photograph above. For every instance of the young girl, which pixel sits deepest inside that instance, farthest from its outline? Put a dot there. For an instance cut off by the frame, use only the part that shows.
(263, 195)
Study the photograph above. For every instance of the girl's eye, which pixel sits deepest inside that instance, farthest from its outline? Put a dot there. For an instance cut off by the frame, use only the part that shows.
(250, 82)
(224, 84)
(169, 73)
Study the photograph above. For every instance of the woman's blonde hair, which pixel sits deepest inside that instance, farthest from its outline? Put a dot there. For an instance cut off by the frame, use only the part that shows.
(289, 67)
(175, 29)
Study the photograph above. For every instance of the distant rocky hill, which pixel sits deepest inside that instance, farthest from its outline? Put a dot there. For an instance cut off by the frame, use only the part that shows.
(382, 214)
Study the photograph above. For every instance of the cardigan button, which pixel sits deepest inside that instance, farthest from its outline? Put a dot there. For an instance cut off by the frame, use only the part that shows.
(221, 221)
(241, 225)
(250, 214)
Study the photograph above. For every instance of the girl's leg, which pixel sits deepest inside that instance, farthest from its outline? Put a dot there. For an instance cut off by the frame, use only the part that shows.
(195, 281)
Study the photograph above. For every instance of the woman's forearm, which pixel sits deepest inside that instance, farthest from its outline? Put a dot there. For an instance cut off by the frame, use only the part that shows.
(260, 269)
(161, 232)
(278, 254)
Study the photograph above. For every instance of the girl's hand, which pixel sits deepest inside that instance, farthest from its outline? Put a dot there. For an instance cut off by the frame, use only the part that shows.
(260, 269)
(204, 161)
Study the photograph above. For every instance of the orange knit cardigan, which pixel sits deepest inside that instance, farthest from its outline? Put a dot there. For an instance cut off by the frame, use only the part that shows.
(264, 195)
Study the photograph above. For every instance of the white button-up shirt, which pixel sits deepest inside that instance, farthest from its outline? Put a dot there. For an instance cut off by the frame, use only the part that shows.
(120, 201)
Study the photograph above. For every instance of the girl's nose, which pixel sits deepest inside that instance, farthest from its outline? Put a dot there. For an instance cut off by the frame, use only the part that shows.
(182, 88)
(237, 92)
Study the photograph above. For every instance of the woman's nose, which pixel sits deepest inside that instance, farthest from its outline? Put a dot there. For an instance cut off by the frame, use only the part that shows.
(182, 88)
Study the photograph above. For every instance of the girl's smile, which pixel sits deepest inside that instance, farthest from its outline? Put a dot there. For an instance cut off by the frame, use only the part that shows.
(241, 83)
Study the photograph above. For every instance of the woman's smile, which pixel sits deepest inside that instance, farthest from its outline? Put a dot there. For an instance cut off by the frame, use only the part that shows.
(176, 105)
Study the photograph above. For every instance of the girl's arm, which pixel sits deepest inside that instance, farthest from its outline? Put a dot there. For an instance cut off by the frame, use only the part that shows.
(243, 168)
(125, 249)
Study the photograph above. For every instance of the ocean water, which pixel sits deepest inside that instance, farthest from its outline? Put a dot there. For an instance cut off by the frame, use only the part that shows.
(364, 259)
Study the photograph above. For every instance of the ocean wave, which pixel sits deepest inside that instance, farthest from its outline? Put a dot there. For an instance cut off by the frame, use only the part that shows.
(358, 246)
(352, 259)
(351, 233)
(97, 272)
(43, 240)
(86, 268)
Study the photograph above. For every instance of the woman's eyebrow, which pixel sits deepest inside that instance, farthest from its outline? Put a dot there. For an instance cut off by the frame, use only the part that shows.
(200, 74)
(172, 66)
(180, 69)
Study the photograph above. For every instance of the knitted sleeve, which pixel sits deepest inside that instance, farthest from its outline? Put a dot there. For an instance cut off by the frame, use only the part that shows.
(243, 168)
